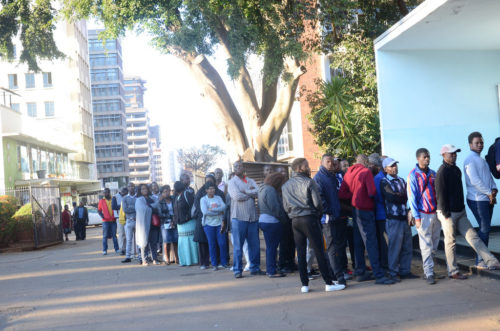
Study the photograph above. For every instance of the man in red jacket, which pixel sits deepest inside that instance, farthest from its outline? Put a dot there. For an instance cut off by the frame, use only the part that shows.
(359, 188)
(108, 222)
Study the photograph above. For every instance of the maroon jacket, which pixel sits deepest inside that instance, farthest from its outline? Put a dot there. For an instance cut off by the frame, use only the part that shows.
(358, 187)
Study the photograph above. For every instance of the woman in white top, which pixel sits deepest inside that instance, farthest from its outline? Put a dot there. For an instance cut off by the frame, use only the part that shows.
(213, 221)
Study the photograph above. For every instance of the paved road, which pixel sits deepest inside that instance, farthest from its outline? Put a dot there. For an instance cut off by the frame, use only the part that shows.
(73, 287)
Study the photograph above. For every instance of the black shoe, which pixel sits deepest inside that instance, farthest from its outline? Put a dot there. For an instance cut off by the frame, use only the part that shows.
(408, 276)
(394, 278)
(122, 253)
(384, 281)
(277, 275)
(286, 270)
(364, 278)
(314, 272)
(238, 275)
(430, 280)
(341, 281)
(127, 260)
(257, 273)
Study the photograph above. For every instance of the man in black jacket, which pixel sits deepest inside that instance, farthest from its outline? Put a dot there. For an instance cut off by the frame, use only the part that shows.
(302, 203)
(81, 217)
(451, 213)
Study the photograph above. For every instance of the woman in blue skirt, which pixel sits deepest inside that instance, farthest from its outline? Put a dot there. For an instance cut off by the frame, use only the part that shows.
(183, 203)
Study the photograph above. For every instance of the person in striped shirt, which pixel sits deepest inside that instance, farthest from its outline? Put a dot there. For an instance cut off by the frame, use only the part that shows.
(423, 204)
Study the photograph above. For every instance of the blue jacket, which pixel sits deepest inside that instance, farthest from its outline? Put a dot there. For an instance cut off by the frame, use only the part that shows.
(379, 199)
(328, 190)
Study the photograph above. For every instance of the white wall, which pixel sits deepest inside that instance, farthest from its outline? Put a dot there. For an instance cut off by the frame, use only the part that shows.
(430, 98)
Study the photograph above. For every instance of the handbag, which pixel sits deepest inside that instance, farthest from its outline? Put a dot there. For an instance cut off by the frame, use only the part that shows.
(411, 219)
(155, 220)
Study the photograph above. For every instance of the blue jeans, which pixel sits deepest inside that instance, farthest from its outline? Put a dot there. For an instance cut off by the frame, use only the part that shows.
(483, 211)
(215, 238)
(129, 233)
(365, 232)
(109, 230)
(272, 236)
(250, 231)
(400, 247)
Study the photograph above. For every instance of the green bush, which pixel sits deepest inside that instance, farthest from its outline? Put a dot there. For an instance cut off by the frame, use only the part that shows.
(7, 206)
(23, 218)
(7, 224)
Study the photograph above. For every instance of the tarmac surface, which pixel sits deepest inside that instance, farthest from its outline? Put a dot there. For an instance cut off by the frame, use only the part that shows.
(74, 287)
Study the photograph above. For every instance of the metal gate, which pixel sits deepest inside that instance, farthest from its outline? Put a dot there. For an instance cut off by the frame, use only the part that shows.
(46, 209)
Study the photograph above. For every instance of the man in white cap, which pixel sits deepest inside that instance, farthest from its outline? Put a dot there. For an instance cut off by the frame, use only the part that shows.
(393, 189)
(451, 213)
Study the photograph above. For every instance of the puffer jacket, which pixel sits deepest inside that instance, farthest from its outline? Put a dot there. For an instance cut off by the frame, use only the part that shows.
(301, 197)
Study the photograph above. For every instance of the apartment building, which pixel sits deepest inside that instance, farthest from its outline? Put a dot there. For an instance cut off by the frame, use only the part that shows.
(156, 166)
(108, 104)
(51, 137)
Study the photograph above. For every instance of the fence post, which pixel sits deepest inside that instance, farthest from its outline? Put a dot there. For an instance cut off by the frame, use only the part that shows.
(35, 233)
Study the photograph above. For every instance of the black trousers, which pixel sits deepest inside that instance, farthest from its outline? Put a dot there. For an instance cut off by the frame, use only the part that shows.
(309, 228)
(286, 257)
(350, 243)
(204, 254)
(335, 235)
(80, 229)
(382, 244)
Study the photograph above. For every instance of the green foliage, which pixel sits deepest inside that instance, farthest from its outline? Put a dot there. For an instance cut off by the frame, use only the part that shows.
(33, 22)
(7, 206)
(24, 218)
(7, 224)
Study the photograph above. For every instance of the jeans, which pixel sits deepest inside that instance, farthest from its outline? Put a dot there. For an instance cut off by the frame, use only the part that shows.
(154, 234)
(109, 230)
(250, 231)
(428, 240)
(400, 247)
(365, 232)
(272, 235)
(483, 211)
(215, 238)
(122, 238)
(130, 231)
(382, 243)
(460, 222)
(335, 235)
(309, 228)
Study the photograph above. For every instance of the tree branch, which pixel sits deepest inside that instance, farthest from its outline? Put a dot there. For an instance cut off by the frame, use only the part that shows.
(269, 94)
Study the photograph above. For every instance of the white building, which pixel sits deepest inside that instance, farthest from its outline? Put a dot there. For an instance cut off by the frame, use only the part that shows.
(58, 101)
(438, 73)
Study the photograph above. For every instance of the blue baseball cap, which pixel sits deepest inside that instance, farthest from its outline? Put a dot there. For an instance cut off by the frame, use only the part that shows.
(388, 162)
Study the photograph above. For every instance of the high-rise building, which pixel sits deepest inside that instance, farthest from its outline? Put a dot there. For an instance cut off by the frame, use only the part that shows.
(52, 138)
(140, 151)
(108, 105)
(156, 166)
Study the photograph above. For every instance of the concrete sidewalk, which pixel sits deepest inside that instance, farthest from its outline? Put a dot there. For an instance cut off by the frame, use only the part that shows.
(73, 287)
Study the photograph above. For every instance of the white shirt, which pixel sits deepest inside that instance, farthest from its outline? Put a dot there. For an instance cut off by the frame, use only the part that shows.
(478, 179)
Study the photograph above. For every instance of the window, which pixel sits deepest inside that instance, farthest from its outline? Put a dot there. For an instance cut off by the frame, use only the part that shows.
(107, 120)
(104, 74)
(103, 60)
(47, 79)
(31, 109)
(107, 105)
(15, 106)
(105, 90)
(30, 80)
(49, 109)
(96, 45)
(13, 82)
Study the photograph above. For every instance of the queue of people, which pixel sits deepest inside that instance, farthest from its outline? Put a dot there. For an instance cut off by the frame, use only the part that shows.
(366, 207)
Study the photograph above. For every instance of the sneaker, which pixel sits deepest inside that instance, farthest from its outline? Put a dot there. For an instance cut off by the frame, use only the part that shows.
(122, 253)
(231, 268)
(364, 277)
(341, 281)
(203, 267)
(430, 280)
(127, 260)
(384, 281)
(408, 276)
(394, 278)
(238, 275)
(314, 272)
(214, 268)
(145, 263)
(311, 276)
(155, 262)
(334, 287)
(458, 276)
(247, 268)
(257, 273)
(481, 265)
(104, 253)
(347, 276)
(304, 289)
(494, 266)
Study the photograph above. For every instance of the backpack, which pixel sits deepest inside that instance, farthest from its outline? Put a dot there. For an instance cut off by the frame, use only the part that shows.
(490, 159)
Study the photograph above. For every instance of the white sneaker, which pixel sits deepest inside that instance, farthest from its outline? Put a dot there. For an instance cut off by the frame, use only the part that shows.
(481, 265)
(247, 267)
(304, 289)
(334, 287)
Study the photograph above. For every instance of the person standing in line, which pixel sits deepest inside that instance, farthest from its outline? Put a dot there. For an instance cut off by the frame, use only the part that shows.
(271, 219)
(143, 234)
(185, 179)
(169, 233)
(451, 213)
(267, 170)
(66, 221)
(286, 258)
(128, 206)
(185, 223)
(243, 191)
(346, 215)
(344, 165)
(375, 164)
(302, 203)
(155, 191)
(116, 204)
(212, 208)
(108, 222)
(393, 190)
(358, 187)
(334, 229)
(423, 204)
(81, 218)
(219, 180)
(481, 190)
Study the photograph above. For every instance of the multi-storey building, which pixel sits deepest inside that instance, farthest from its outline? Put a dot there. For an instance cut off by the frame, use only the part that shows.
(108, 105)
(55, 105)
(140, 152)
(156, 165)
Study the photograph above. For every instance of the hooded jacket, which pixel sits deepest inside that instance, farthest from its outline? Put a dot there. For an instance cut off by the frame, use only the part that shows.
(358, 187)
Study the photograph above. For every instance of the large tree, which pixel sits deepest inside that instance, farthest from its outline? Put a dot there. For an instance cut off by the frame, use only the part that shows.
(193, 29)
(199, 158)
